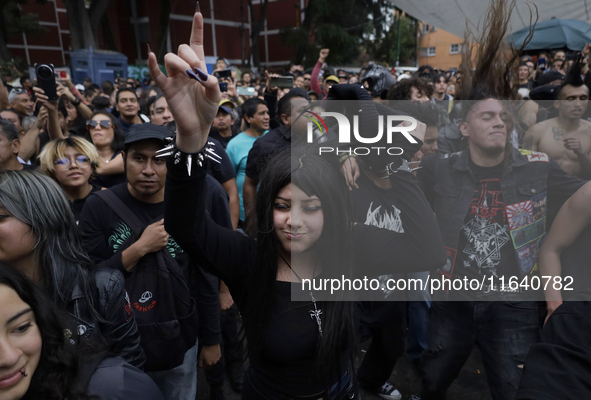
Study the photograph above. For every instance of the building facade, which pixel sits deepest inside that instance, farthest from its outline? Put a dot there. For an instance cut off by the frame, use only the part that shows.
(132, 24)
(438, 48)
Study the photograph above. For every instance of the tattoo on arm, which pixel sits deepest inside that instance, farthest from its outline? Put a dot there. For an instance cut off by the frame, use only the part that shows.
(558, 134)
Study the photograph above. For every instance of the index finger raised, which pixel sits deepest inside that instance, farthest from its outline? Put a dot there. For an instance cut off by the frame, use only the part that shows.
(196, 41)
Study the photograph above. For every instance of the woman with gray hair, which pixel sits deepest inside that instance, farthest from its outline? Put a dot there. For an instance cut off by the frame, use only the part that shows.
(39, 237)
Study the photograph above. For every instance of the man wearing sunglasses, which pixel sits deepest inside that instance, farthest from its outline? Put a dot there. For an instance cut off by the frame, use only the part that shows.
(21, 103)
(9, 146)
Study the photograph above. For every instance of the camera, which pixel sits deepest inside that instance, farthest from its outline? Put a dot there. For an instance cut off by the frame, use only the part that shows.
(46, 80)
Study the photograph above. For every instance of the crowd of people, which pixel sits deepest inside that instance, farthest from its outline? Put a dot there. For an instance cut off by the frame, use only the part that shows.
(151, 228)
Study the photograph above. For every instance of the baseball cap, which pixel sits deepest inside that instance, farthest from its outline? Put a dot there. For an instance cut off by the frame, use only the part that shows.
(227, 106)
(139, 132)
(332, 78)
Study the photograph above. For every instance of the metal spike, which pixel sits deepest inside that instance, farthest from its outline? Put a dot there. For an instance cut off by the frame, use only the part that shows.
(162, 155)
(189, 164)
(213, 159)
(166, 149)
(211, 152)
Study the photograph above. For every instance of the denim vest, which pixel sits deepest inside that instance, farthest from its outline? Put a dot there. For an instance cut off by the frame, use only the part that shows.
(523, 186)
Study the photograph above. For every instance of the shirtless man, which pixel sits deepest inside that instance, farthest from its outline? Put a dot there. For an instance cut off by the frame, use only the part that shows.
(567, 137)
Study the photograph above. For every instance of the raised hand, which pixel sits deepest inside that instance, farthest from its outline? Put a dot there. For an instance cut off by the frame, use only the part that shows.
(323, 54)
(193, 103)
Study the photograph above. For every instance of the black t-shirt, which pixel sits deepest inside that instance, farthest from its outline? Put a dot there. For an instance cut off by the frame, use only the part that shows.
(125, 126)
(222, 171)
(103, 233)
(27, 167)
(109, 180)
(559, 367)
(375, 206)
(214, 133)
(575, 261)
(485, 246)
(527, 85)
(78, 205)
(264, 149)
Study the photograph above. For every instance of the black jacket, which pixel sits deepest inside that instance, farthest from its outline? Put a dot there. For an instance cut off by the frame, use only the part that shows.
(118, 330)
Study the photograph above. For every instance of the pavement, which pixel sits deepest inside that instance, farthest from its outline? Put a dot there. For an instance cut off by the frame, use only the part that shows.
(470, 384)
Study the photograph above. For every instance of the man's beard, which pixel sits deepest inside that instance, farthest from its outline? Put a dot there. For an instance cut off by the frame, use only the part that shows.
(147, 192)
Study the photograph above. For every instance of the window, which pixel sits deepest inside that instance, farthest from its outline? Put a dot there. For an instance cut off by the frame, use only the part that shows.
(424, 52)
(425, 28)
(454, 49)
(431, 51)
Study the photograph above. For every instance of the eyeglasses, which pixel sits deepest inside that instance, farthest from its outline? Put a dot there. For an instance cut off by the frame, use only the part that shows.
(93, 124)
(64, 164)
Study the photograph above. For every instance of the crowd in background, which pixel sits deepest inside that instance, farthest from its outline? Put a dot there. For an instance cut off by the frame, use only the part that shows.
(83, 208)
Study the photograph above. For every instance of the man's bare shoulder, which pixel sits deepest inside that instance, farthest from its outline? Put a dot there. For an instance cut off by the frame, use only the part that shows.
(543, 126)
(586, 126)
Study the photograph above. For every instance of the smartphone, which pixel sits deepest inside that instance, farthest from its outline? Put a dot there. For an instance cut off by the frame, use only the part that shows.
(282, 82)
(246, 91)
(223, 86)
(46, 80)
(118, 74)
(542, 63)
(225, 73)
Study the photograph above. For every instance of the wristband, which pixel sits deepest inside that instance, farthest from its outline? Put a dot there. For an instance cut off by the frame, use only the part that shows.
(345, 157)
(76, 102)
(181, 157)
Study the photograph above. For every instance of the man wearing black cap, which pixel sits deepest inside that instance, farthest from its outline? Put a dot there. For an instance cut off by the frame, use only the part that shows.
(105, 234)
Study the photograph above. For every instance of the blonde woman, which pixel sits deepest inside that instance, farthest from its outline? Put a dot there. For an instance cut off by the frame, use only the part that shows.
(71, 162)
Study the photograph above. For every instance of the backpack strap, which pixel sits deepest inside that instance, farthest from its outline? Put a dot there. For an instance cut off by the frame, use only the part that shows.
(126, 215)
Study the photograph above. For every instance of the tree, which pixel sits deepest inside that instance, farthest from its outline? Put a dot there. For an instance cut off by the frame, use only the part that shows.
(382, 48)
(84, 23)
(14, 22)
(257, 25)
(335, 24)
(353, 30)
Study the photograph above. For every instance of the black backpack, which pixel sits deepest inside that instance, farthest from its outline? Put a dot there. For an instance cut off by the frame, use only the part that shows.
(160, 298)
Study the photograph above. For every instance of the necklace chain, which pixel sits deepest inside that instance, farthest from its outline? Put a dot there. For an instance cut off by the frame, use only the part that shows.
(316, 312)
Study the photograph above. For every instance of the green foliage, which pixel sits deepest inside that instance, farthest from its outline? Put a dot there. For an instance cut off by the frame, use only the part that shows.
(15, 22)
(384, 49)
(334, 24)
(353, 30)
(7, 68)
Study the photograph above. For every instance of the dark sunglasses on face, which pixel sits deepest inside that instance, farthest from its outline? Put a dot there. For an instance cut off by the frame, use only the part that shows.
(64, 164)
(104, 123)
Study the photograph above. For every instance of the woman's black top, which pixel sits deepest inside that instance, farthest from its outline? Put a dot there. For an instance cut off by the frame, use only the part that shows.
(109, 180)
(286, 361)
(78, 204)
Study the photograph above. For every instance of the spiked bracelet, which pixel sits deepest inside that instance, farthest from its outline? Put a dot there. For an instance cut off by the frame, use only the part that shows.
(178, 156)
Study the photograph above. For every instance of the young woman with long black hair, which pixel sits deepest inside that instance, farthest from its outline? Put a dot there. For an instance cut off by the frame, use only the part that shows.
(297, 349)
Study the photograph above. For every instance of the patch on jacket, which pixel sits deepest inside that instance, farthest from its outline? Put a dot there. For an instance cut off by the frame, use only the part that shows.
(535, 156)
